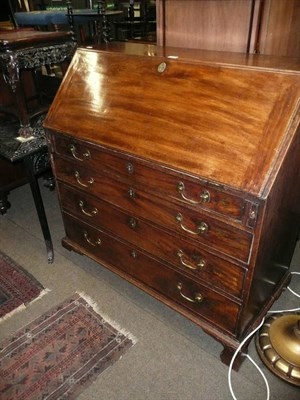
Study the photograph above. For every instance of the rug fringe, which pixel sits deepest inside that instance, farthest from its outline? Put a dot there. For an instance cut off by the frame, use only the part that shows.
(42, 294)
(113, 323)
(15, 311)
(23, 306)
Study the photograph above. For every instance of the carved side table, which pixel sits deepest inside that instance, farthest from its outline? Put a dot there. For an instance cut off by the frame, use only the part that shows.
(22, 52)
(23, 162)
(29, 50)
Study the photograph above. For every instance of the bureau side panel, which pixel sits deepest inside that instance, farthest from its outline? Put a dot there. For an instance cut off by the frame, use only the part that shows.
(279, 233)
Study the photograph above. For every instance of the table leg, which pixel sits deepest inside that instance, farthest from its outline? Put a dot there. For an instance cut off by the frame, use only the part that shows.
(11, 73)
(25, 129)
(102, 24)
(36, 193)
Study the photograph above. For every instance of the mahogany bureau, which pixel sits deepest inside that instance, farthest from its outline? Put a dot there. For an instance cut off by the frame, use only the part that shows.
(179, 170)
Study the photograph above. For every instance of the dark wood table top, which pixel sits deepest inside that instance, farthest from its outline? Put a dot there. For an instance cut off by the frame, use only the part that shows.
(19, 38)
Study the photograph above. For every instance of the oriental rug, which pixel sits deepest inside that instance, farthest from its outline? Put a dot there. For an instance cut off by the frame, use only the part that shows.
(17, 287)
(60, 353)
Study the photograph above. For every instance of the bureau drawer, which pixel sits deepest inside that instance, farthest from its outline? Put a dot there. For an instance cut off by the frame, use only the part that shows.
(171, 285)
(192, 225)
(184, 255)
(163, 181)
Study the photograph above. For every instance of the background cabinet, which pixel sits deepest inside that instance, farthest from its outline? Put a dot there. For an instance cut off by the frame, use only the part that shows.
(280, 28)
(252, 26)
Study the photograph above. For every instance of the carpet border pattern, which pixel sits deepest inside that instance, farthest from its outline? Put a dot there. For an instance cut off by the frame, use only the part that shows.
(18, 285)
(60, 353)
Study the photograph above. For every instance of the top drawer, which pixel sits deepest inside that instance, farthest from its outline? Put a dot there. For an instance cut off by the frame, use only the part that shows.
(163, 181)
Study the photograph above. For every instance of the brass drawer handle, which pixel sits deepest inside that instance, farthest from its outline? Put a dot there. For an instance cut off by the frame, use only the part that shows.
(97, 243)
(202, 227)
(90, 181)
(197, 299)
(200, 264)
(204, 196)
(89, 214)
(86, 155)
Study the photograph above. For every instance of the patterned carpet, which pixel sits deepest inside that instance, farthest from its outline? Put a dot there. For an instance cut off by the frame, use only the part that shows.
(17, 287)
(59, 354)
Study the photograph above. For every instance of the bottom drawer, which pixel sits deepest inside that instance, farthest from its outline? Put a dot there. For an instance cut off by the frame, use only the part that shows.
(198, 299)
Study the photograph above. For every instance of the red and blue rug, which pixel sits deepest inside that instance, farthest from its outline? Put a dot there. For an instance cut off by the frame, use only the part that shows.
(60, 353)
(17, 287)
